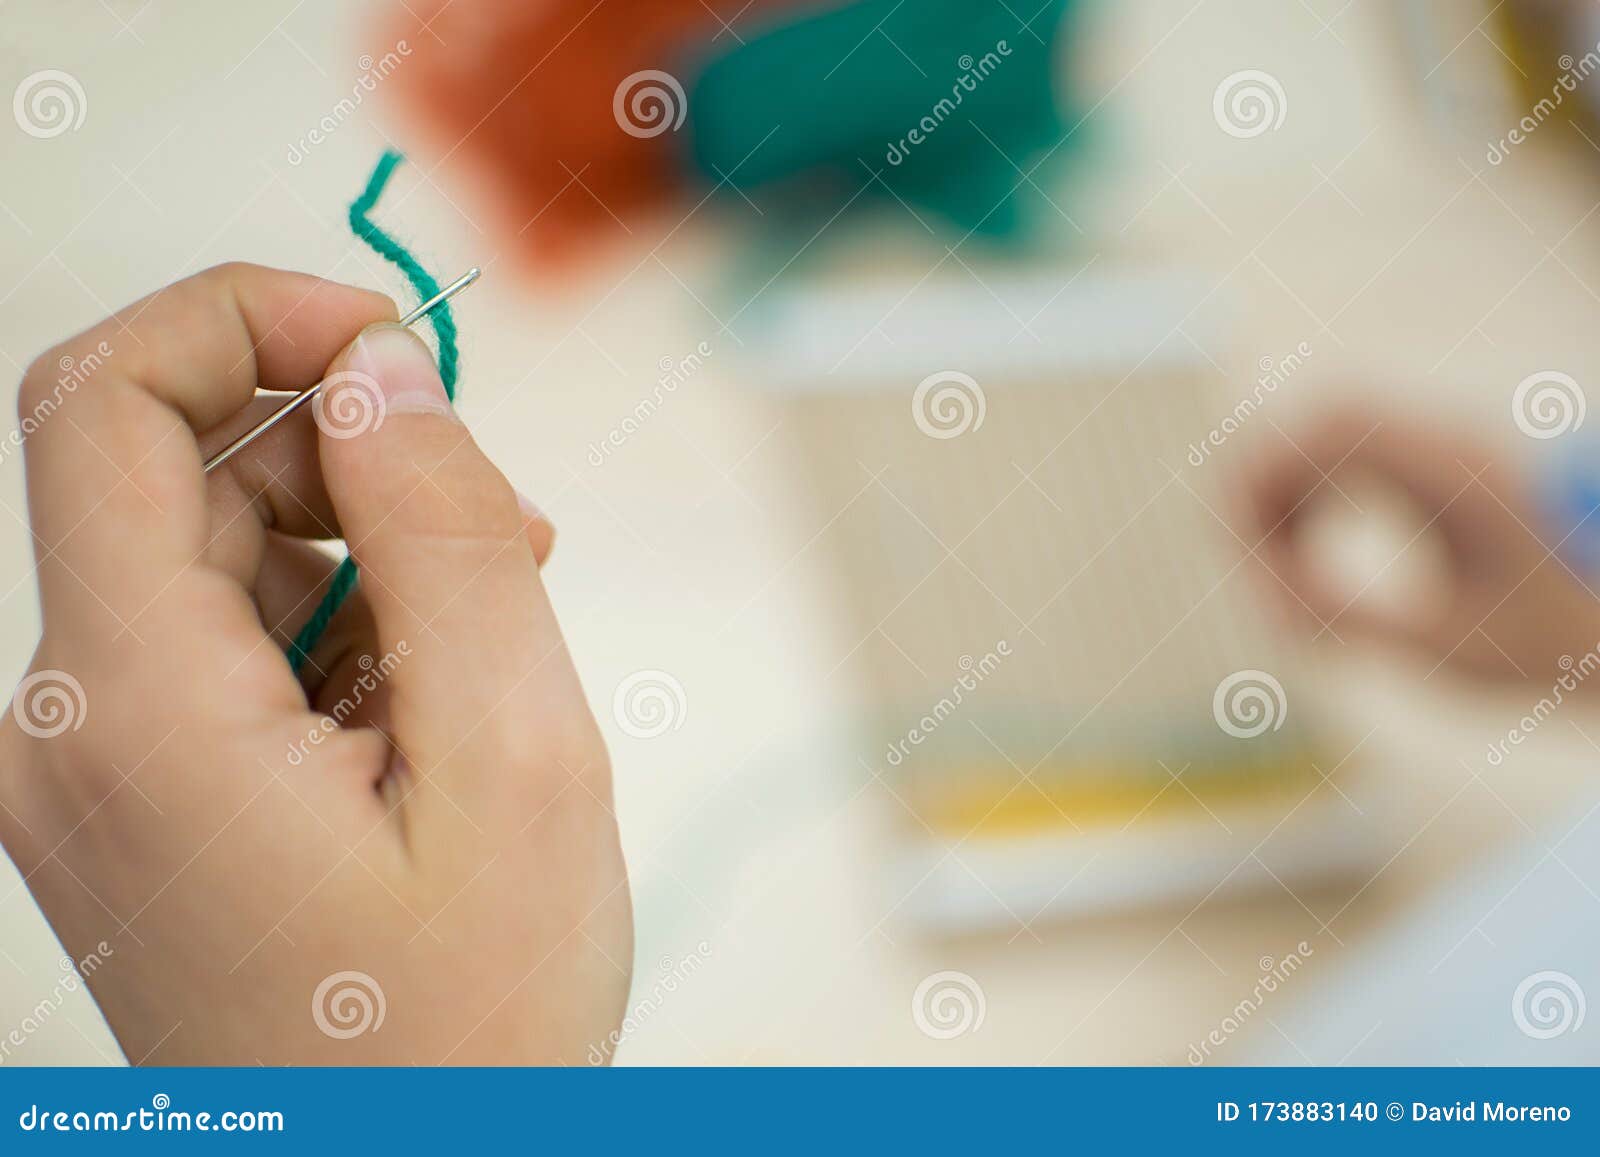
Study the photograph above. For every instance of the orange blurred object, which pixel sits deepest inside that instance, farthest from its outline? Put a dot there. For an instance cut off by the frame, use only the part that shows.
(525, 92)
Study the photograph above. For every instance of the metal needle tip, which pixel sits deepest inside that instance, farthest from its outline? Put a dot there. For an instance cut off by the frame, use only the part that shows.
(310, 392)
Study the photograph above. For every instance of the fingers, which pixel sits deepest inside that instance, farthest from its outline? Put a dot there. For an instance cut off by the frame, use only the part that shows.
(1440, 480)
(116, 494)
(450, 571)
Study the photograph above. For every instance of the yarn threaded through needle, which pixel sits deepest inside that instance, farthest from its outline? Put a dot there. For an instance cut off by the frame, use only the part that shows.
(444, 328)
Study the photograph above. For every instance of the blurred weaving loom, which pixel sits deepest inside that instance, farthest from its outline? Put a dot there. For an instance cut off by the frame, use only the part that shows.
(1070, 684)
(1074, 685)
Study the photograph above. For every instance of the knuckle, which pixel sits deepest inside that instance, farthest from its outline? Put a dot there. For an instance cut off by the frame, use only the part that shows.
(40, 384)
(467, 501)
(225, 273)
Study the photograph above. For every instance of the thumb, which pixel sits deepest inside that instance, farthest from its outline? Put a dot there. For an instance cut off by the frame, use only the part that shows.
(480, 670)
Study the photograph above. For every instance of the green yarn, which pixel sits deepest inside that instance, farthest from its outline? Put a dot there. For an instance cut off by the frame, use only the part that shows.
(444, 323)
(344, 581)
(444, 328)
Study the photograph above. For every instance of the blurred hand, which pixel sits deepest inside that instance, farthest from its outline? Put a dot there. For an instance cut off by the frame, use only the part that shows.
(407, 857)
(1512, 608)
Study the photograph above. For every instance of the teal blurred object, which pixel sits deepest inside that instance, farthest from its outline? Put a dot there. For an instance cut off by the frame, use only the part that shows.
(944, 100)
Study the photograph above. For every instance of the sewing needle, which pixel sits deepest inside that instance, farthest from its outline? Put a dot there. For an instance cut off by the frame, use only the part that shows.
(310, 392)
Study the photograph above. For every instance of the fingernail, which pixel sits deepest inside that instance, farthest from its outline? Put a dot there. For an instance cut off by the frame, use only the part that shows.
(530, 508)
(403, 366)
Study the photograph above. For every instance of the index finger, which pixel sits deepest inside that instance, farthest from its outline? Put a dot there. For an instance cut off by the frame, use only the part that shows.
(116, 492)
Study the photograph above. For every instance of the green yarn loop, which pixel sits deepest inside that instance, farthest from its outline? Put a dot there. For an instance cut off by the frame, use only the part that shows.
(444, 327)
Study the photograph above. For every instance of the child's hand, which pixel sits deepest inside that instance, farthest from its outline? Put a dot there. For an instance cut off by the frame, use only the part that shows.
(165, 787)
(1512, 609)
